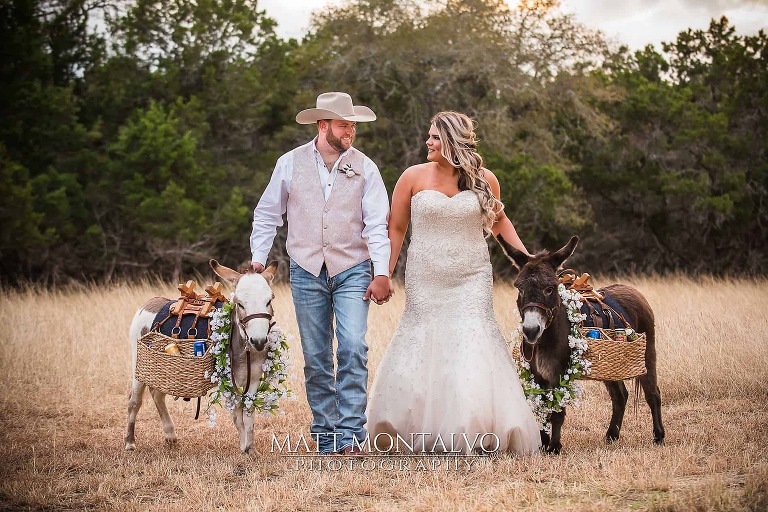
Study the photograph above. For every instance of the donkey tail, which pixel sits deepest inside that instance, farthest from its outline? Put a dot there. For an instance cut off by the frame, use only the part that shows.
(637, 394)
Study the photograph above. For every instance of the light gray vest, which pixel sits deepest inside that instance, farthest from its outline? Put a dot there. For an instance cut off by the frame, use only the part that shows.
(321, 231)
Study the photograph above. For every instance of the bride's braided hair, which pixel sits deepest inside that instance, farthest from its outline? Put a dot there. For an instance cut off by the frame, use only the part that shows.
(459, 146)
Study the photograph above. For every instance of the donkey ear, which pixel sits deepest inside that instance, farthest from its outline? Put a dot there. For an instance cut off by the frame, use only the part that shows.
(518, 258)
(226, 273)
(269, 272)
(558, 257)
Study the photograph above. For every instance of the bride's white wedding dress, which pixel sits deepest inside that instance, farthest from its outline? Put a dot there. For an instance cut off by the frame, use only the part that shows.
(447, 371)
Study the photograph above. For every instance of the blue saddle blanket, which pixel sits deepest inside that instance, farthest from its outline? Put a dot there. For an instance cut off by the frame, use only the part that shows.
(603, 316)
(167, 327)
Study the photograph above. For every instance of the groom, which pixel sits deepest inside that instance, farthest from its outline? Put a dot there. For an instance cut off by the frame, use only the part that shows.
(337, 209)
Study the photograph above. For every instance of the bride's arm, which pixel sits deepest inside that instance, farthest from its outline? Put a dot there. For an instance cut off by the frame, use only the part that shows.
(503, 226)
(400, 216)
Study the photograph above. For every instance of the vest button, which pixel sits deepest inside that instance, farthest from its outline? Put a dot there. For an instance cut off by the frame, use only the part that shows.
(325, 227)
(325, 244)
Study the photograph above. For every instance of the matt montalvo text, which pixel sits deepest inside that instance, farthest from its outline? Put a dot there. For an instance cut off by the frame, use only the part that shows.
(417, 443)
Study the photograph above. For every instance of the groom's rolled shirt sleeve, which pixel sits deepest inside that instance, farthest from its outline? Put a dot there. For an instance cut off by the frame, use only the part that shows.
(268, 215)
(375, 218)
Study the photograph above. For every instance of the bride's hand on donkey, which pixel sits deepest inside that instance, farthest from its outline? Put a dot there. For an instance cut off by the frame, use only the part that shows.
(258, 267)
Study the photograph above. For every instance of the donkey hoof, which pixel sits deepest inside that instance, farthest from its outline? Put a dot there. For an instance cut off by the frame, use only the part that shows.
(554, 449)
(658, 441)
(612, 435)
(171, 441)
(130, 446)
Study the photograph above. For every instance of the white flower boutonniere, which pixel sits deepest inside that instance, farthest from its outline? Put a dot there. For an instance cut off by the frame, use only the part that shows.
(348, 170)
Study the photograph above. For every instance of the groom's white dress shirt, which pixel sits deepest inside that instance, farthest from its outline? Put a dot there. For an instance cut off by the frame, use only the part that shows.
(268, 215)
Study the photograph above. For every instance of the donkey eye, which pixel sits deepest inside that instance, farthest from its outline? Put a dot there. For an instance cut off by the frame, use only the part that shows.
(548, 290)
(240, 306)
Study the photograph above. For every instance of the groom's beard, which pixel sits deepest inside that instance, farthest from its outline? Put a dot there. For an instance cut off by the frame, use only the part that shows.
(335, 142)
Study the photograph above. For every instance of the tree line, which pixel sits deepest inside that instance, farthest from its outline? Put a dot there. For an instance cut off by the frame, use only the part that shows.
(136, 137)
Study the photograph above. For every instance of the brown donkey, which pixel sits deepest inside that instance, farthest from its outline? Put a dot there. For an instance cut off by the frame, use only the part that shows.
(545, 330)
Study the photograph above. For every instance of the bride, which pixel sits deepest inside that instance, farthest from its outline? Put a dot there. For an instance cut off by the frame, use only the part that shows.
(447, 382)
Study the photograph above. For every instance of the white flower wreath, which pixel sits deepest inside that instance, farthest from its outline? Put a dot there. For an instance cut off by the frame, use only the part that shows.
(543, 402)
(274, 381)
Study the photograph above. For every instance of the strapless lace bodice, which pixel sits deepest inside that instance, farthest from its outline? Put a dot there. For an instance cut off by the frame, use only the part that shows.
(439, 221)
(448, 252)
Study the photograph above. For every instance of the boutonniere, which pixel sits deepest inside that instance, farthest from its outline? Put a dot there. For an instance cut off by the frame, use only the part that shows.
(348, 170)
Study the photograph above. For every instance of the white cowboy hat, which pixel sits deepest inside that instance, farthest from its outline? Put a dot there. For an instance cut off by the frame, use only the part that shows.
(335, 105)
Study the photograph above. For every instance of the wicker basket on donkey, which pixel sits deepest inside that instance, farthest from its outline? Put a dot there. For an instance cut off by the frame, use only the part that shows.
(184, 375)
(614, 360)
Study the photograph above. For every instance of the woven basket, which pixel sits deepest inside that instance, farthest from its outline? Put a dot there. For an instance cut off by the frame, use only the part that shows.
(611, 360)
(176, 375)
(614, 360)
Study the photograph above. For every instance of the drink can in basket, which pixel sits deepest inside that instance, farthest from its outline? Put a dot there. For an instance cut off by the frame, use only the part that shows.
(200, 348)
(619, 335)
(631, 335)
(594, 334)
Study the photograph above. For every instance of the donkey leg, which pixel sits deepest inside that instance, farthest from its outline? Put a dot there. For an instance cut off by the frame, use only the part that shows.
(557, 419)
(619, 395)
(168, 428)
(653, 397)
(544, 439)
(237, 419)
(134, 404)
(248, 431)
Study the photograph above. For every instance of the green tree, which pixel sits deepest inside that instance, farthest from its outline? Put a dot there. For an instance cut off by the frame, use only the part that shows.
(46, 47)
(679, 183)
(171, 211)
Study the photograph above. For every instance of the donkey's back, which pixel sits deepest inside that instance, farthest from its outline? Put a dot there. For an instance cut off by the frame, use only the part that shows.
(636, 306)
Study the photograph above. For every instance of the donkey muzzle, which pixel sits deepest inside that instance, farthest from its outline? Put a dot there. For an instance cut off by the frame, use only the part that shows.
(257, 343)
(531, 333)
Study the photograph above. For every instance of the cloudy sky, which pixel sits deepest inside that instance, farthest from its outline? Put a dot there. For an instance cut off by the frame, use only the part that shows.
(632, 22)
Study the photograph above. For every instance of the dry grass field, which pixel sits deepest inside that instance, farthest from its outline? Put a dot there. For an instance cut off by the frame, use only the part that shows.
(65, 368)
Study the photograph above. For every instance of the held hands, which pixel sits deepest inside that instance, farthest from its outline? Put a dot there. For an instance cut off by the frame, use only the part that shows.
(380, 290)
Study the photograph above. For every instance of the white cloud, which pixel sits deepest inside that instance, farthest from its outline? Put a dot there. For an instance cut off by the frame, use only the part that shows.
(640, 22)
(631, 22)
(293, 16)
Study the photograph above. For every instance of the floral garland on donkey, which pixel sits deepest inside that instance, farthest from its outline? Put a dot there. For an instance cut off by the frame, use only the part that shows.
(544, 402)
(273, 385)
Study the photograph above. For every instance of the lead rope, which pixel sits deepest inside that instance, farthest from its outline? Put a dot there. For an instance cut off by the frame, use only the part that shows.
(522, 351)
(248, 362)
(248, 358)
(248, 371)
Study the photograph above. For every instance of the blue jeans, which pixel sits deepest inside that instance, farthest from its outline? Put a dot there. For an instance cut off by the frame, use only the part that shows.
(337, 401)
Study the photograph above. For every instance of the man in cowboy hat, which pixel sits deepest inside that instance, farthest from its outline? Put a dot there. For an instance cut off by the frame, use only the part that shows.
(337, 209)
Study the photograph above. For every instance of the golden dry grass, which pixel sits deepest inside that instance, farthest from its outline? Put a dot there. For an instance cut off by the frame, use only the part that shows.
(65, 370)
